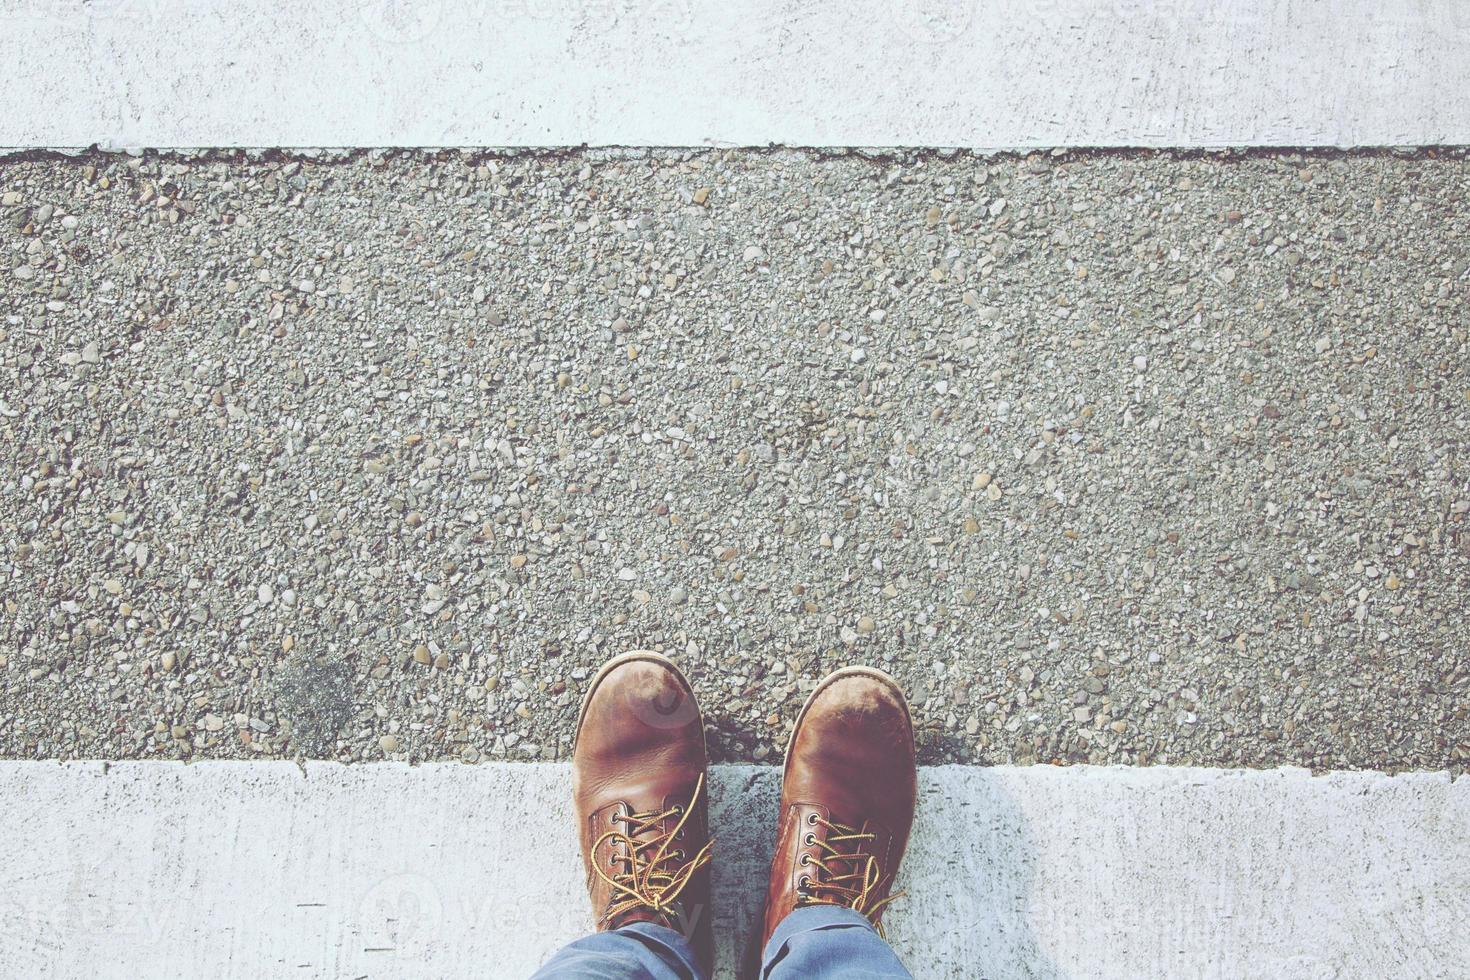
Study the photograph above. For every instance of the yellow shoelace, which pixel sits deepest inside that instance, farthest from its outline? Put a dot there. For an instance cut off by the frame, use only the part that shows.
(650, 876)
(857, 887)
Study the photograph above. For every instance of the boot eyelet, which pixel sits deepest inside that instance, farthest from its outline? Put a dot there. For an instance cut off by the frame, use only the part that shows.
(811, 818)
(809, 840)
(677, 811)
(678, 855)
(805, 860)
(802, 883)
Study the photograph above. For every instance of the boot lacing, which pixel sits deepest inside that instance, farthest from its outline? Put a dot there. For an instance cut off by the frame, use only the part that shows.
(845, 875)
(649, 875)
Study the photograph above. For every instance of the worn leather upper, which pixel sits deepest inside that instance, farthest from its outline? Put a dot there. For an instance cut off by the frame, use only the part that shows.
(640, 751)
(850, 765)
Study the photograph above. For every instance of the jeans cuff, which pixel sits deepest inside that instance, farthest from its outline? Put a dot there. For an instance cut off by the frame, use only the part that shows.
(810, 919)
(672, 946)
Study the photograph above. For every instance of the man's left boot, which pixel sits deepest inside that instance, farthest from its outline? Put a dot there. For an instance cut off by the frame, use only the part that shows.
(639, 773)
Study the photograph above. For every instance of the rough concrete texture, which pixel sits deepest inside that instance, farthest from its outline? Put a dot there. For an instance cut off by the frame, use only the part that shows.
(267, 869)
(1108, 457)
(196, 73)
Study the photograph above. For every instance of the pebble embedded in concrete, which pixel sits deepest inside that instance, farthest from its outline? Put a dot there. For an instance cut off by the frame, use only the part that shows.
(315, 456)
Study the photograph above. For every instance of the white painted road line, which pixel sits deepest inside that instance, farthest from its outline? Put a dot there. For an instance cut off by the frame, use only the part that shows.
(961, 73)
(146, 869)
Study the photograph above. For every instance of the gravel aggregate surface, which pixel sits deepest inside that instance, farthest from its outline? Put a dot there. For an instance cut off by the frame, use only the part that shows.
(1108, 457)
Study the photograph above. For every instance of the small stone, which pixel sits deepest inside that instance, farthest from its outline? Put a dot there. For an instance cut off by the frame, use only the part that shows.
(701, 195)
(866, 624)
(388, 743)
(421, 655)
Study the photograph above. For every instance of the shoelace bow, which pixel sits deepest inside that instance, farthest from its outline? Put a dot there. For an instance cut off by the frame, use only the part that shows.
(645, 880)
(857, 887)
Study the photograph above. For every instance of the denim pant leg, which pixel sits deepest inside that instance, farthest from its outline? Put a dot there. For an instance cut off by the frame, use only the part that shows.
(824, 942)
(641, 951)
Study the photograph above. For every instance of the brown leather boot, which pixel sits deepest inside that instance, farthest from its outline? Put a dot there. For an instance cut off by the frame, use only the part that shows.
(847, 799)
(638, 787)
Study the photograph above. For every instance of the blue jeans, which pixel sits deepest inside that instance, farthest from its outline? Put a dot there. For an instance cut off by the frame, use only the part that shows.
(821, 942)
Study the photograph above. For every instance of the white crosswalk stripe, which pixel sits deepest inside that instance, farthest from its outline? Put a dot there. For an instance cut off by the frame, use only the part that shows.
(188, 73)
(270, 869)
